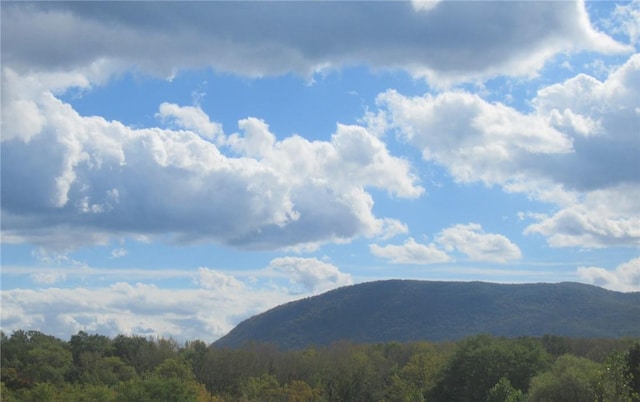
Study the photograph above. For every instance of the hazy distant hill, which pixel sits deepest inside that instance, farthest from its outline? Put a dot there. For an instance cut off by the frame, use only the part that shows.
(404, 310)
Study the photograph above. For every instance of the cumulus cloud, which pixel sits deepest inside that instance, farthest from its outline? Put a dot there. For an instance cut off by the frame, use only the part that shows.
(82, 180)
(474, 139)
(314, 275)
(577, 149)
(468, 239)
(411, 252)
(191, 118)
(603, 218)
(625, 277)
(471, 240)
(602, 118)
(445, 41)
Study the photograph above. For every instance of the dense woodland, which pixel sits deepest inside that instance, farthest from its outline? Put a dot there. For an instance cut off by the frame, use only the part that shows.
(90, 367)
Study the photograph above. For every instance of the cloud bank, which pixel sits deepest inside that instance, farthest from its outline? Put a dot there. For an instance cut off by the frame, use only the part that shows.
(219, 301)
(444, 41)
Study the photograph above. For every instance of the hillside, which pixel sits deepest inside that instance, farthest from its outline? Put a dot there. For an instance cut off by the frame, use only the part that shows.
(404, 310)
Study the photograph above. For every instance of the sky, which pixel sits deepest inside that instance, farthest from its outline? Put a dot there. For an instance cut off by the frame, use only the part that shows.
(170, 169)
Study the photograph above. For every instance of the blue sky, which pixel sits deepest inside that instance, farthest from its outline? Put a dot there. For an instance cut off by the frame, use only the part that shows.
(171, 169)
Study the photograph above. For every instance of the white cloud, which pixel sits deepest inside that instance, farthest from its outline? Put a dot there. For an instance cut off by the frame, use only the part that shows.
(95, 179)
(604, 218)
(48, 278)
(212, 279)
(26, 120)
(48, 257)
(626, 20)
(445, 41)
(424, 5)
(602, 119)
(192, 118)
(314, 275)
(411, 252)
(256, 140)
(471, 240)
(392, 228)
(468, 239)
(577, 149)
(118, 252)
(475, 140)
(625, 278)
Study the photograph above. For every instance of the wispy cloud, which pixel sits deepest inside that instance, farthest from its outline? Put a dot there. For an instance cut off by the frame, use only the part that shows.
(118, 252)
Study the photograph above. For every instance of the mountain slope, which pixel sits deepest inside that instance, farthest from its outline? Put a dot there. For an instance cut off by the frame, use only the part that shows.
(404, 310)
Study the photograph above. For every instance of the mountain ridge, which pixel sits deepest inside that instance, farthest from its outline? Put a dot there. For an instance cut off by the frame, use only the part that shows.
(412, 310)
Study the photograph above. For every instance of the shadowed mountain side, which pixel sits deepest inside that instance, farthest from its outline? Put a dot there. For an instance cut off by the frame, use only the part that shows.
(406, 310)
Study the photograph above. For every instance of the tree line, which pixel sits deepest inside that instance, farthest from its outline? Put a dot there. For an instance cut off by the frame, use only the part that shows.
(96, 368)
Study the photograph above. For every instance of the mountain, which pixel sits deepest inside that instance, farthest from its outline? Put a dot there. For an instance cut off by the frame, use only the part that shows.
(407, 310)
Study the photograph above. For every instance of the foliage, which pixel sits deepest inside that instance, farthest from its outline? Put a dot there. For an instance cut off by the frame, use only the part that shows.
(570, 379)
(615, 382)
(503, 391)
(38, 367)
(481, 361)
(632, 361)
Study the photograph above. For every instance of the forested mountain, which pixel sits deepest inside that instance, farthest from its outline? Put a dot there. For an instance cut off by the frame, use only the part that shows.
(405, 310)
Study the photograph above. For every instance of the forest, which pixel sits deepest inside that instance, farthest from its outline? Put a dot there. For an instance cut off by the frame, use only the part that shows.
(92, 367)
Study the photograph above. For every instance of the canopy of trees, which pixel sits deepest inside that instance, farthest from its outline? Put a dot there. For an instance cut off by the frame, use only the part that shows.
(39, 367)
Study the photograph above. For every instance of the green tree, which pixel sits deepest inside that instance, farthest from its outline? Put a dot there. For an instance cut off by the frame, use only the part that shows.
(418, 377)
(104, 370)
(633, 367)
(6, 394)
(616, 380)
(480, 362)
(42, 392)
(82, 342)
(194, 352)
(401, 390)
(154, 388)
(88, 352)
(31, 356)
(350, 375)
(86, 393)
(263, 388)
(49, 361)
(136, 351)
(570, 379)
(503, 391)
(300, 391)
